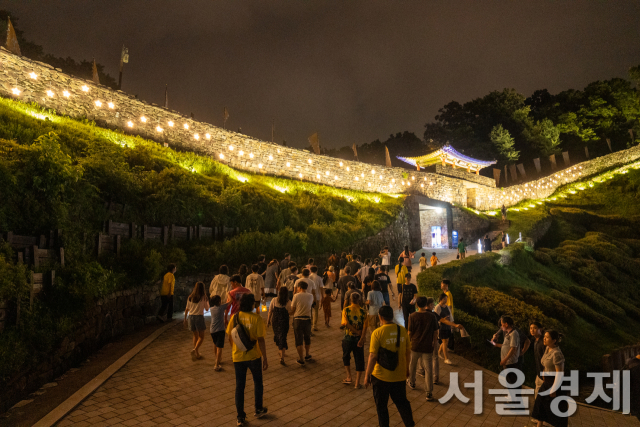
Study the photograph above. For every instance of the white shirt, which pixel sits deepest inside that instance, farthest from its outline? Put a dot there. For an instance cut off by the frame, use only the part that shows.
(310, 284)
(301, 304)
(317, 286)
(198, 309)
(255, 283)
(386, 259)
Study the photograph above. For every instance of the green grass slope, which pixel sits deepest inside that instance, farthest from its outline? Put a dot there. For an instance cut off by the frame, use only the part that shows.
(583, 279)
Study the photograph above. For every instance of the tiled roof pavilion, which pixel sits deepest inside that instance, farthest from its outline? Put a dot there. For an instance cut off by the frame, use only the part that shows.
(447, 155)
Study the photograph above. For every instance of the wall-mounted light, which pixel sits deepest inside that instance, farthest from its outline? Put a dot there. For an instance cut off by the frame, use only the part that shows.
(335, 177)
(170, 124)
(373, 172)
(369, 184)
(270, 157)
(186, 126)
(340, 164)
(33, 75)
(66, 94)
(288, 164)
(98, 104)
(196, 136)
(357, 178)
(221, 156)
(15, 91)
(85, 88)
(348, 168)
(327, 173)
(259, 165)
(159, 129)
(130, 123)
(318, 176)
(207, 135)
(251, 155)
(110, 105)
(143, 119)
(309, 161)
(241, 153)
(50, 93)
(300, 175)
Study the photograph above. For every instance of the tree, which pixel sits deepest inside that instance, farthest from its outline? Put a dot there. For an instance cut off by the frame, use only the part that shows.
(634, 75)
(542, 135)
(502, 140)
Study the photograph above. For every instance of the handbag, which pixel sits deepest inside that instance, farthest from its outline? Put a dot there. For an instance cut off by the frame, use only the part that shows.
(389, 359)
(240, 336)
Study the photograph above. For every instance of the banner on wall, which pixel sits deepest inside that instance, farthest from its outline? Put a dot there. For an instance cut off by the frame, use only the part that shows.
(496, 176)
(552, 159)
(565, 157)
(95, 78)
(387, 157)
(514, 174)
(536, 163)
(12, 40)
(315, 143)
(521, 170)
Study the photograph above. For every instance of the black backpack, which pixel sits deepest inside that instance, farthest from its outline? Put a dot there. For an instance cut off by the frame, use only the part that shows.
(325, 278)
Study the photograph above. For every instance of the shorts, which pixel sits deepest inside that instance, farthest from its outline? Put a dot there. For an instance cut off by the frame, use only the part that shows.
(445, 334)
(218, 338)
(196, 322)
(423, 268)
(302, 331)
(350, 345)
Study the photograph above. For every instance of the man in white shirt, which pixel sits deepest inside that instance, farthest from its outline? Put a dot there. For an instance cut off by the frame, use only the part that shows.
(255, 283)
(317, 295)
(301, 312)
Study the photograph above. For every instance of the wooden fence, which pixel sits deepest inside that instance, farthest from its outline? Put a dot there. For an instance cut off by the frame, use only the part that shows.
(616, 360)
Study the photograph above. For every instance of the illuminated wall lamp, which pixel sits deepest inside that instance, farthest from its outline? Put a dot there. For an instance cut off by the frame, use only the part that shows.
(130, 123)
(186, 126)
(143, 119)
(85, 88)
(111, 105)
(50, 93)
(159, 129)
(170, 124)
(98, 104)
(207, 135)
(196, 136)
(33, 75)
(66, 94)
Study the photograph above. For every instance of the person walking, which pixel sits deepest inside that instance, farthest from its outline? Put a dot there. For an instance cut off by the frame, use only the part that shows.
(423, 335)
(462, 249)
(326, 305)
(385, 284)
(405, 257)
(235, 294)
(388, 368)
(290, 281)
(221, 285)
(329, 278)
(253, 358)
(166, 294)
(444, 286)
(552, 362)
(317, 296)
(354, 320)
(423, 262)
(217, 310)
(486, 243)
(363, 272)
(385, 256)
(374, 300)
(537, 333)
(284, 264)
(343, 285)
(503, 240)
(367, 282)
(243, 272)
(285, 273)
(271, 280)
(401, 272)
(408, 298)
(510, 347)
(434, 357)
(354, 267)
(279, 318)
(446, 323)
(255, 283)
(434, 259)
(503, 211)
(301, 312)
(197, 304)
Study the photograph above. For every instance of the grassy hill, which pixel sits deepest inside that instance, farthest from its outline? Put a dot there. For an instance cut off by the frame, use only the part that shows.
(57, 173)
(583, 278)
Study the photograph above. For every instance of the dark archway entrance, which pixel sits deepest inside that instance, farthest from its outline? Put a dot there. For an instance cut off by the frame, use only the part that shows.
(430, 223)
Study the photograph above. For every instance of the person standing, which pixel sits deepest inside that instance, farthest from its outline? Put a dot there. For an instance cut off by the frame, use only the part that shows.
(486, 244)
(387, 378)
(216, 329)
(510, 348)
(446, 323)
(436, 347)
(279, 318)
(552, 362)
(423, 334)
(328, 283)
(444, 286)
(235, 294)
(343, 262)
(401, 272)
(253, 359)
(326, 305)
(301, 312)
(385, 284)
(423, 262)
(537, 333)
(343, 285)
(364, 270)
(271, 280)
(243, 271)
(166, 294)
(354, 320)
(367, 282)
(220, 285)
(374, 301)
(385, 256)
(197, 304)
(434, 259)
(317, 295)
(284, 264)
(262, 267)
(503, 240)
(354, 267)
(462, 248)
(408, 298)
(503, 211)
(290, 281)
(255, 283)
(405, 257)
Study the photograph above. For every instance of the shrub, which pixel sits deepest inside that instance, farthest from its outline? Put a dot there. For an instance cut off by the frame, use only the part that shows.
(594, 300)
(583, 310)
(549, 306)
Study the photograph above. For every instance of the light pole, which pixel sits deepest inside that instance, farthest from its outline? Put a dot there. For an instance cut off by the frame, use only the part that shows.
(124, 59)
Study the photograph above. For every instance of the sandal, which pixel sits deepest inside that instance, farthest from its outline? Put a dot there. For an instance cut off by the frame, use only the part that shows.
(346, 381)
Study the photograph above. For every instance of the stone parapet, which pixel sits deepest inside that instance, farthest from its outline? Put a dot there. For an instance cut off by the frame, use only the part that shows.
(464, 175)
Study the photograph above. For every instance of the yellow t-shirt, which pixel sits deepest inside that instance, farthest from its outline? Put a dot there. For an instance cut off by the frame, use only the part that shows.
(400, 272)
(450, 302)
(386, 336)
(434, 260)
(253, 324)
(423, 261)
(168, 284)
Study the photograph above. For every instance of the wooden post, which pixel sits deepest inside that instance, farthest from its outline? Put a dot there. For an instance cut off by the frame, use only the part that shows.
(144, 232)
(36, 261)
(99, 244)
(199, 232)
(132, 231)
(165, 235)
(109, 227)
(62, 257)
(117, 245)
(43, 242)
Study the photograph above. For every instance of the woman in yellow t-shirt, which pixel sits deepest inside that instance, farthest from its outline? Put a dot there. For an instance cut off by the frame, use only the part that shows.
(401, 271)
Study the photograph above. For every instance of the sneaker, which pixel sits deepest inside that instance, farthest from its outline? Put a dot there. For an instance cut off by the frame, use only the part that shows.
(261, 413)
(282, 362)
(300, 362)
(420, 374)
(240, 422)
(410, 385)
(430, 397)
(448, 362)
(307, 357)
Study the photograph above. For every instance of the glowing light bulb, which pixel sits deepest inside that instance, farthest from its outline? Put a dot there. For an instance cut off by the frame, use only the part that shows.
(340, 164)
(239, 152)
(143, 119)
(362, 174)
(85, 88)
(110, 105)
(335, 177)
(393, 180)
(348, 169)
(327, 173)
(221, 156)
(373, 172)
(317, 176)
(130, 123)
(422, 185)
(98, 104)
(33, 75)
(251, 155)
(270, 157)
(186, 126)
(196, 136)
(207, 135)
(288, 164)
(66, 94)
(356, 178)
(413, 178)
(369, 184)
(50, 93)
(300, 175)
(159, 129)
(309, 161)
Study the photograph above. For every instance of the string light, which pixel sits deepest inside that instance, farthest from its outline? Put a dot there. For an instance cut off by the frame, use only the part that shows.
(259, 165)
(251, 155)
(239, 152)
(340, 164)
(159, 129)
(186, 126)
(33, 75)
(207, 135)
(98, 104)
(288, 164)
(300, 175)
(143, 119)
(85, 88)
(356, 178)
(327, 173)
(66, 94)
(231, 149)
(221, 156)
(50, 93)
(270, 157)
(348, 169)
(130, 123)
(309, 160)
(170, 123)
(196, 136)
(110, 104)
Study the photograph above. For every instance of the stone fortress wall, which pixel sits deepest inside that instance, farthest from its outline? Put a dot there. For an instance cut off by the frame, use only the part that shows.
(33, 81)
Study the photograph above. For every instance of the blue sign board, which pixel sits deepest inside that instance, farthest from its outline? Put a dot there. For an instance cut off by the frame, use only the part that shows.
(454, 238)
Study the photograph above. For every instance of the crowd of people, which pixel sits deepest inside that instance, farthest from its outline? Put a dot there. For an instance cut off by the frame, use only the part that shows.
(292, 296)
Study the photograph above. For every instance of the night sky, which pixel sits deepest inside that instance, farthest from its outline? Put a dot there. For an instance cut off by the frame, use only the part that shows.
(354, 71)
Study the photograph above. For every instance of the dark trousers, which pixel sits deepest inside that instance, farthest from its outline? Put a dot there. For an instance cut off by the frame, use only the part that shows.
(350, 345)
(406, 311)
(167, 306)
(255, 366)
(398, 392)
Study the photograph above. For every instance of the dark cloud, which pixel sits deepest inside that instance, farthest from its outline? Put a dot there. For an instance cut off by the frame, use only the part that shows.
(352, 70)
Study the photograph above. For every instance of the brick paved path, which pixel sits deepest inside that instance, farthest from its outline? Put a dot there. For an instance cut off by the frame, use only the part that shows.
(162, 386)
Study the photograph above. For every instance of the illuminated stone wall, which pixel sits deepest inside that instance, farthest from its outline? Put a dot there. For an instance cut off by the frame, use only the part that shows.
(32, 81)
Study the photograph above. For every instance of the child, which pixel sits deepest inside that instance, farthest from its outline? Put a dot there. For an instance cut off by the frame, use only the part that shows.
(326, 305)
(197, 304)
(217, 328)
(423, 262)
(434, 260)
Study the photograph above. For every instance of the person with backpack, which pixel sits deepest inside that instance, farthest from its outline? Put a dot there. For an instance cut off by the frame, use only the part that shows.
(290, 281)
(220, 284)
(255, 283)
(197, 304)
(246, 335)
(388, 368)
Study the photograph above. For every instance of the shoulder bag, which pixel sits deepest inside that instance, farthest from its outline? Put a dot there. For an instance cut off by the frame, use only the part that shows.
(240, 336)
(389, 359)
